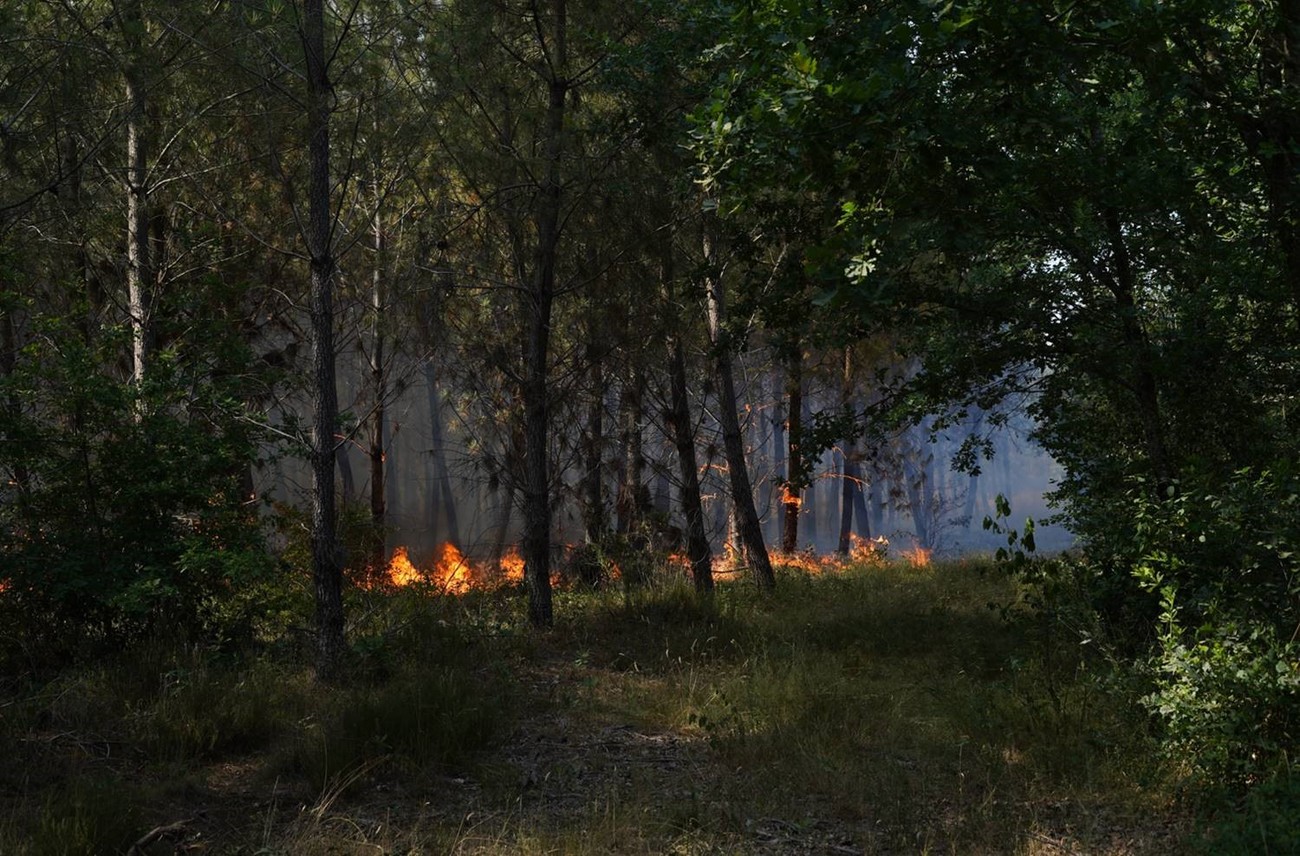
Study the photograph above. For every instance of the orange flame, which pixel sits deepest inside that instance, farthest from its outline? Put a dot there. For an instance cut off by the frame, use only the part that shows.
(5, 585)
(453, 573)
(400, 570)
(512, 566)
(869, 550)
(918, 556)
(789, 498)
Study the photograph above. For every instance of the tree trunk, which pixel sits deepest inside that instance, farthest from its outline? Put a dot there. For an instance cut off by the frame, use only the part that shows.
(594, 521)
(778, 464)
(379, 392)
(680, 424)
(442, 473)
(539, 298)
(8, 364)
(327, 571)
(849, 477)
(633, 498)
(742, 493)
(504, 514)
(137, 215)
(343, 458)
(792, 498)
(1146, 390)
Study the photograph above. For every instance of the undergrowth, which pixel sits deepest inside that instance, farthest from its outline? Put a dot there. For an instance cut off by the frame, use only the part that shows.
(878, 708)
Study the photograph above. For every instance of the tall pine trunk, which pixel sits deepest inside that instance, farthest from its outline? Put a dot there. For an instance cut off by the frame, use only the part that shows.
(538, 299)
(680, 425)
(327, 571)
(379, 392)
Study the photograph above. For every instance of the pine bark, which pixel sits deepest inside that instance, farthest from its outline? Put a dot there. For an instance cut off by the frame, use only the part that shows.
(327, 572)
(680, 425)
(379, 392)
(539, 299)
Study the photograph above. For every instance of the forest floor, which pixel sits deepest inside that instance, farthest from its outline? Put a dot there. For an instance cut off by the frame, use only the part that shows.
(878, 709)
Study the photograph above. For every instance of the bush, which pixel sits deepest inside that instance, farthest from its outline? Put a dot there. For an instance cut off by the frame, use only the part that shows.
(123, 507)
(1227, 670)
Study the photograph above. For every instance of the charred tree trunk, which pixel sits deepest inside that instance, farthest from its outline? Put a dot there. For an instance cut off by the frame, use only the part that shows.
(327, 571)
(742, 493)
(792, 498)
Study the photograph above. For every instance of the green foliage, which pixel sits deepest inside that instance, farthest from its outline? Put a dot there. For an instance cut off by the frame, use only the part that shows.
(207, 710)
(124, 510)
(1223, 564)
(1264, 822)
(88, 816)
(421, 718)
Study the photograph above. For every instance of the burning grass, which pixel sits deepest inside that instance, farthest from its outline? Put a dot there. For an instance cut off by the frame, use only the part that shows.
(451, 572)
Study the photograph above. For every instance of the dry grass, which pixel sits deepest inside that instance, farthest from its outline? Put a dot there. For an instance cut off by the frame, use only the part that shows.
(885, 708)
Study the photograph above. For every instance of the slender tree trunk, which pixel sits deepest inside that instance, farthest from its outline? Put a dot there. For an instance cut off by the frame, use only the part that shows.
(849, 477)
(779, 464)
(633, 498)
(792, 498)
(8, 364)
(680, 424)
(751, 532)
(327, 571)
(595, 523)
(137, 178)
(379, 392)
(446, 501)
(917, 487)
(344, 460)
(541, 294)
(505, 512)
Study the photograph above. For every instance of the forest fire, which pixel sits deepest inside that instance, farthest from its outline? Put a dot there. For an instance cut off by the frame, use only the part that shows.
(917, 556)
(512, 566)
(869, 550)
(452, 572)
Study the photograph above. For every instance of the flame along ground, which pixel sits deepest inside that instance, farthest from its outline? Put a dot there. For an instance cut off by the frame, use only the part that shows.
(454, 573)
